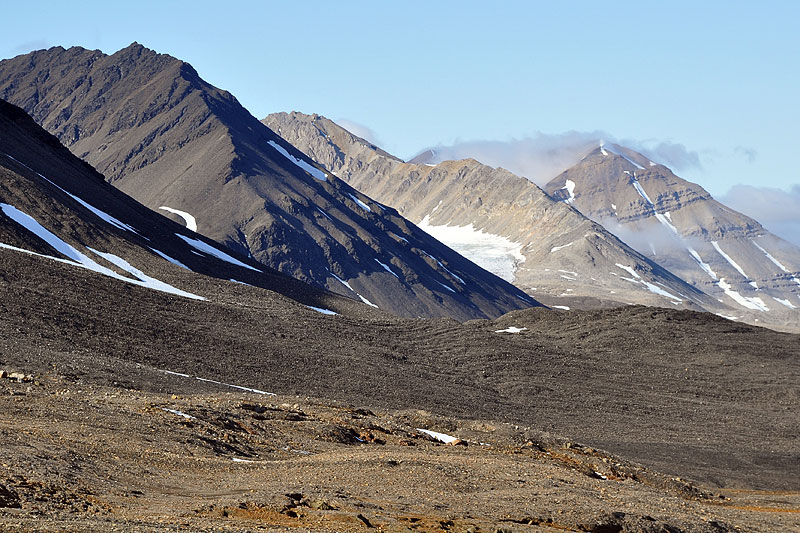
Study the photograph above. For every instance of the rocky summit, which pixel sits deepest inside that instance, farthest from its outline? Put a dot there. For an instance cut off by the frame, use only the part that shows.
(160, 133)
(679, 225)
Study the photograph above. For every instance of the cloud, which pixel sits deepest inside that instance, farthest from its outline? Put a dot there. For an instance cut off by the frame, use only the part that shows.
(29, 46)
(748, 153)
(360, 130)
(542, 157)
(672, 154)
(776, 209)
(539, 158)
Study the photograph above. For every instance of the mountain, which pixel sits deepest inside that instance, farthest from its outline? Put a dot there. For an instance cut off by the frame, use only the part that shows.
(499, 220)
(160, 133)
(679, 225)
(60, 214)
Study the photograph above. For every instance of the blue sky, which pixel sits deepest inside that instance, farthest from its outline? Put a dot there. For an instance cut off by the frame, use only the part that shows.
(717, 81)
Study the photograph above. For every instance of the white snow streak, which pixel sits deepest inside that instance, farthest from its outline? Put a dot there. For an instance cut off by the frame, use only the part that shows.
(655, 289)
(313, 171)
(79, 259)
(98, 212)
(367, 301)
(191, 222)
(210, 250)
(445, 268)
(447, 439)
(729, 259)
(557, 248)
(705, 266)
(786, 302)
(246, 389)
(386, 267)
(562, 307)
(170, 259)
(179, 413)
(323, 311)
(446, 287)
(361, 204)
(776, 262)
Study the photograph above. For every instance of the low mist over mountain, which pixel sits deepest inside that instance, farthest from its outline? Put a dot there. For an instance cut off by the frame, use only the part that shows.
(157, 131)
(679, 225)
(498, 219)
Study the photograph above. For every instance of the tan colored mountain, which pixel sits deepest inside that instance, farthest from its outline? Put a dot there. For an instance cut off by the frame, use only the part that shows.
(679, 225)
(499, 220)
(180, 146)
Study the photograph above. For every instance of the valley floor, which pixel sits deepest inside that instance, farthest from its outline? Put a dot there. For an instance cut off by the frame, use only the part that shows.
(79, 456)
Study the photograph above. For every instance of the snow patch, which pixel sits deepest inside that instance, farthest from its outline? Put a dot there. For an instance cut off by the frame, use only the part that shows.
(179, 413)
(776, 262)
(445, 268)
(786, 302)
(210, 250)
(446, 287)
(170, 259)
(511, 329)
(705, 266)
(367, 301)
(562, 307)
(323, 311)
(79, 259)
(569, 186)
(191, 222)
(239, 387)
(754, 303)
(97, 212)
(447, 439)
(557, 248)
(494, 253)
(361, 204)
(313, 171)
(655, 289)
(386, 267)
(728, 258)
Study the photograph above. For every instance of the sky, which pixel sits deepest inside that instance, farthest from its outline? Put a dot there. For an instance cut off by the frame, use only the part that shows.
(709, 88)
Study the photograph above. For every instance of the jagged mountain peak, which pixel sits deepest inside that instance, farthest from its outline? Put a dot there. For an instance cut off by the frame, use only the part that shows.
(678, 224)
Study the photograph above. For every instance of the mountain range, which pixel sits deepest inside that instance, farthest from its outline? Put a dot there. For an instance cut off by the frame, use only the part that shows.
(158, 132)
(552, 244)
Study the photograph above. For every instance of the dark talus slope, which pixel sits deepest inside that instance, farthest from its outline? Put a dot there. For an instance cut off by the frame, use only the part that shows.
(56, 210)
(157, 131)
(678, 224)
(545, 247)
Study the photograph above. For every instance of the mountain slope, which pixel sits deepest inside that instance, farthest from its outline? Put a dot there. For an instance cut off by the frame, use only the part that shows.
(60, 214)
(157, 131)
(494, 216)
(679, 225)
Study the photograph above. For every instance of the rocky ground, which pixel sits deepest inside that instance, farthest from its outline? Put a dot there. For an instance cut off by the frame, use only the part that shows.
(78, 456)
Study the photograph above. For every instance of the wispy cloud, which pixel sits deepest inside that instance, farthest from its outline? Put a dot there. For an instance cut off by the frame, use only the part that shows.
(776, 209)
(750, 154)
(360, 130)
(29, 46)
(542, 157)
